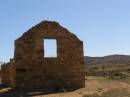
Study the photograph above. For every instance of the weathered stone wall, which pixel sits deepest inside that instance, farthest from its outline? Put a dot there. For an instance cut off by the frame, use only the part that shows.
(35, 71)
(8, 74)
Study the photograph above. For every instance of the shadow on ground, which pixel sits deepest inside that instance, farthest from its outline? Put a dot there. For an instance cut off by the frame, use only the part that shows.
(8, 92)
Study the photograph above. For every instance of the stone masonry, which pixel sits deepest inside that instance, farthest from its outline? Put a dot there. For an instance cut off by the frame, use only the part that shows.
(8, 74)
(32, 70)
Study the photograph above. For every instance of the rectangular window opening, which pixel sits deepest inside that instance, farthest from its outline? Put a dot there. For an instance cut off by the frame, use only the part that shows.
(50, 47)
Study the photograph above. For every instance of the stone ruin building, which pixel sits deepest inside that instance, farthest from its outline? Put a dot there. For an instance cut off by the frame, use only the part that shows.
(30, 69)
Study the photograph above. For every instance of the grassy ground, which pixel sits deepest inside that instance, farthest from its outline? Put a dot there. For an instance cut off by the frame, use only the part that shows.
(104, 87)
(94, 87)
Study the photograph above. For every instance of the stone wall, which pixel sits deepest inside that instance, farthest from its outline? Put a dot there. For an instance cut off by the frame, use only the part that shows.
(35, 71)
(8, 74)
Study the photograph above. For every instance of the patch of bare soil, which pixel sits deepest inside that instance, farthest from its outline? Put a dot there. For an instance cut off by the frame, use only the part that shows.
(94, 87)
(104, 87)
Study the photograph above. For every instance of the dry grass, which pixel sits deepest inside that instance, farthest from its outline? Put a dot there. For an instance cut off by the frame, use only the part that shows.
(95, 87)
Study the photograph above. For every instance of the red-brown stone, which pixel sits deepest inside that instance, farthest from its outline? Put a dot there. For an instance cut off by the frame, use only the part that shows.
(32, 70)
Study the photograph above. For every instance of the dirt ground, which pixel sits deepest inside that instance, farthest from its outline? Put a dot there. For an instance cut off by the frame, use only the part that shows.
(94, 87)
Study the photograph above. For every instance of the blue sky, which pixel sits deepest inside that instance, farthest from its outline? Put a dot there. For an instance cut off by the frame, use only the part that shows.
(103, 25)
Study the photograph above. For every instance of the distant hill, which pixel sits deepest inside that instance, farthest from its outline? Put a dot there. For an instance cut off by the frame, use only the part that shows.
(107, 65)
(107, 60)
